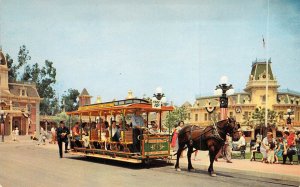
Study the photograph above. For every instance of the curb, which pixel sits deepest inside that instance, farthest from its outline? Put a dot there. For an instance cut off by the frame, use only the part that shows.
(250, 173)
(203, 165)
(260, 174)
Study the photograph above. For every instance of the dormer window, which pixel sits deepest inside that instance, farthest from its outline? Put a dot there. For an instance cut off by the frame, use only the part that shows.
(23, 92)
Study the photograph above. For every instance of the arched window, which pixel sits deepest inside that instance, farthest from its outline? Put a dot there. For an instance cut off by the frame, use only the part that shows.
(29, 107)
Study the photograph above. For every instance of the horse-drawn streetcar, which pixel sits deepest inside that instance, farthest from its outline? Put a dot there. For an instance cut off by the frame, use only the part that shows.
(132, 140)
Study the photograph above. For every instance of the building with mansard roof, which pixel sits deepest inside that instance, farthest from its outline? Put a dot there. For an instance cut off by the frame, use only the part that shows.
(241, 105)
(19, 102)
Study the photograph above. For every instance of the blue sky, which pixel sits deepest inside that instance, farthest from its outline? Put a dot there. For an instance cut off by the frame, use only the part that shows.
(110, 47)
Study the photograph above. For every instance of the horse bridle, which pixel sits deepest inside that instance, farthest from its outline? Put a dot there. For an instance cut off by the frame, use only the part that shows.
(215, 126)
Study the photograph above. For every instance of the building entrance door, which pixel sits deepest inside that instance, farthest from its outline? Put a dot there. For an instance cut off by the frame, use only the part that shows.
(17, 123)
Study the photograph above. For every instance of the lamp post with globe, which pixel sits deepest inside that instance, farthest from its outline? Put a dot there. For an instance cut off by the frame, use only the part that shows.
(223, 90)
(158, 100)
(289, 118)
(2, 121)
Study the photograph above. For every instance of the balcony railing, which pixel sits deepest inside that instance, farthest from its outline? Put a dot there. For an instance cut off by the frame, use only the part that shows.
(22, 82)
(19, 108)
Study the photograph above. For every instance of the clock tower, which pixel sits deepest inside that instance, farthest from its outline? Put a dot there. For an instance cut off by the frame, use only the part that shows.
(256, 84)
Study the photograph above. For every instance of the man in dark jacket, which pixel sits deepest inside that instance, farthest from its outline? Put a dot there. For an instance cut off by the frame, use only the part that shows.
(62, 136)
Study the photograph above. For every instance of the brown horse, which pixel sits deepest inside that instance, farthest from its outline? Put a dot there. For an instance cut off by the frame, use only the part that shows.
(211, 138)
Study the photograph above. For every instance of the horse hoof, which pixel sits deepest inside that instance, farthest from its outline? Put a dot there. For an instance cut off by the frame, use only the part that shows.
(178, 169)
(192, 170)
(213, 174)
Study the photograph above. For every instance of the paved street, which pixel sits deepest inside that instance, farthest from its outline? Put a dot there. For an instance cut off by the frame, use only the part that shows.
(26, 164)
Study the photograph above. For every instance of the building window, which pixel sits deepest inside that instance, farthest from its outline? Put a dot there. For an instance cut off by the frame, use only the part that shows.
(205, 117)
(189, 116)
(196, 117)
(28, 107)
(16, 104)
(231, 114)
(263, 98)
(246, 115)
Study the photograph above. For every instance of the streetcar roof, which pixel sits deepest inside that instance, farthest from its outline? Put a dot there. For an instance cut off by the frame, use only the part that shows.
(118, 107)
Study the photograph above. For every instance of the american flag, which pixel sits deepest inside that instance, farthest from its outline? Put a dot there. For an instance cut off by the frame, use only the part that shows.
(223, 113)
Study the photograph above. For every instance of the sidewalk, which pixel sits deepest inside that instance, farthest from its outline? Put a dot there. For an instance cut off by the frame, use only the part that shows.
(245, 166)
(20, 138)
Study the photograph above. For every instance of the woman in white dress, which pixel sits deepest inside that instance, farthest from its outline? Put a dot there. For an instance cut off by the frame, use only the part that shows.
(264, 148)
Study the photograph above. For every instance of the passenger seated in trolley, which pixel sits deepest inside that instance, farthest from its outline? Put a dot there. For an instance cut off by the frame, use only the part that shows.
(115, 132)
(85, 135)
(75, 135)
(120, 125)
(153, 128)
(104, 132)
(76, 131)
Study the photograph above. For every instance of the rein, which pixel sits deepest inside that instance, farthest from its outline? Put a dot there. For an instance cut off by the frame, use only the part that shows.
(216, 130)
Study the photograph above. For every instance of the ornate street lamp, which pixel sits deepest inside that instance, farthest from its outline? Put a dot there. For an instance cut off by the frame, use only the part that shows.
(289, 117)
(158, 98)
(158, 93)
(2, 121)
(222, 90)
(157, 101)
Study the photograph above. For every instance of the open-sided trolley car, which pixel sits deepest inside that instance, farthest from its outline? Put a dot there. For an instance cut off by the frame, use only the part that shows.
(95, 139)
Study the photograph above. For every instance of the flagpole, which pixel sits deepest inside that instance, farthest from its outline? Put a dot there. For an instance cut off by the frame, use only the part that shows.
(267, 71)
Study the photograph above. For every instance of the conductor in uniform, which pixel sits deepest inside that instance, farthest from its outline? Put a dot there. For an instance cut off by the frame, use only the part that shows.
(62, 136)
(137, 124)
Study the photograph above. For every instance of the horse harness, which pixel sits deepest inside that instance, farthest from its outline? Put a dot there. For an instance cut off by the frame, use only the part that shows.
(215, 134)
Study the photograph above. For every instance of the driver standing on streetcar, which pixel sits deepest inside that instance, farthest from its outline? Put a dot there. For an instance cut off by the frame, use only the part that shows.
(137, 122)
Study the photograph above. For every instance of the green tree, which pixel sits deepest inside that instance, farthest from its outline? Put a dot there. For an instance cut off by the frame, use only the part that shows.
(258, 117)
(15, 72)
(69, 100)
(44, 77)
(12, 72)
(177, 115)
(248, 120)
(23, 56)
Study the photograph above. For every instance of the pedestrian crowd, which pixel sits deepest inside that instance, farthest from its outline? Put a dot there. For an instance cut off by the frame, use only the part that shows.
(285, 146)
